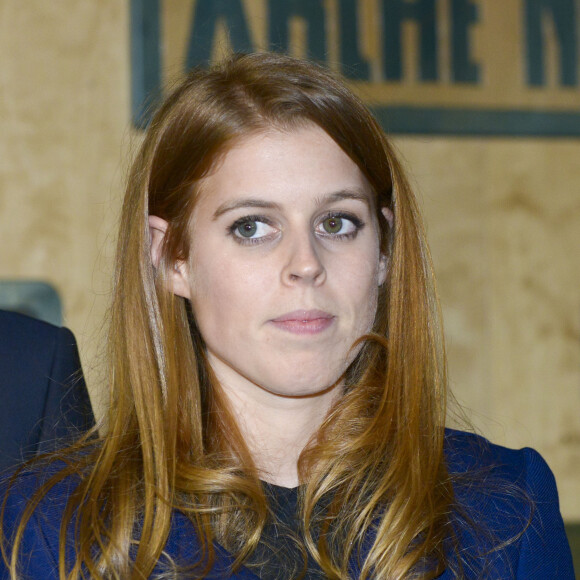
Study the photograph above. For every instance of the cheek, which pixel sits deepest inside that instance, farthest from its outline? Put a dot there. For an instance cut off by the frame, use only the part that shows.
(368, 306)
(369, 290)
(360, 275)
(224, 291)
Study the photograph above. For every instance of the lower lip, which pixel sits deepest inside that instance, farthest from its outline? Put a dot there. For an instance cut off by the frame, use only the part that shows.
(314, 326)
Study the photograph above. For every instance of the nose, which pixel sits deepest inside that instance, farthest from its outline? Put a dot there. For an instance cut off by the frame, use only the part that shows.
(303, 262)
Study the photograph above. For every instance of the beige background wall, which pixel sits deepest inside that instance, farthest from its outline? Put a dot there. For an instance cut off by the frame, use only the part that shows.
(503, 218)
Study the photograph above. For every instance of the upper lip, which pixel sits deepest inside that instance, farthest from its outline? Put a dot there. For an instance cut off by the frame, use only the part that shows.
(303, 316)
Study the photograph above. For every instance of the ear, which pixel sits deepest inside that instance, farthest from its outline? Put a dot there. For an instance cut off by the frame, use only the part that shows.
(383, 261)
(178, 276)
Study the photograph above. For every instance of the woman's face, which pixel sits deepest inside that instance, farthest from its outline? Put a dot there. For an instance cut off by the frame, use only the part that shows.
(285, 263)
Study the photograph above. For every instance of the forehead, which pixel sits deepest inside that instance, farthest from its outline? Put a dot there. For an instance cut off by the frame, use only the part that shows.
(293, 166)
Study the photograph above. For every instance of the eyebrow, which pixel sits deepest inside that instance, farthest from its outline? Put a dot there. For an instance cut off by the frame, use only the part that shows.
(344, 194)
(250, 202)
(355, 194)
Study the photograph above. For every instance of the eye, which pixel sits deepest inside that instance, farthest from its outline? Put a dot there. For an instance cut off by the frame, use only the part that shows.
(251, 229)
(339, 226)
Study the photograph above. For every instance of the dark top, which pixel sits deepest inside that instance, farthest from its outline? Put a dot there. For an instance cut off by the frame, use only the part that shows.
(505, 490)
(43, 393)
(278, 555)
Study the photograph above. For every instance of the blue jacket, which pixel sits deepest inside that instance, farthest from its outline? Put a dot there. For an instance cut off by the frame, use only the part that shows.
(43, 393)
(498, 490)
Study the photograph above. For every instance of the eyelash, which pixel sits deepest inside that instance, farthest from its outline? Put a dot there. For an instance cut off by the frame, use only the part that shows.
(357, 223)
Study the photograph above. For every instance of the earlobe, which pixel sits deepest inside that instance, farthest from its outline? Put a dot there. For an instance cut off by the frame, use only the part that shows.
(383, 260)
(388, 214)
(383, 268)
(177, 276)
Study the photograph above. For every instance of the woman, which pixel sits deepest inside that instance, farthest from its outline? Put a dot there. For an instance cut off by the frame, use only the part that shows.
(277, 368)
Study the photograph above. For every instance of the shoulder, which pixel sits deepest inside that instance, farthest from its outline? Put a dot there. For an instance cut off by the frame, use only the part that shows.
(36, 341)
(20, 326)
(45, 483)
(37, 514)
(466, 452)
(41, 532)
(483, 466)
(507, 497)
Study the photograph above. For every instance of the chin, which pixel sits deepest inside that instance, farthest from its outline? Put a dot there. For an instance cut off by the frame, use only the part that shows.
(307, 376)
(304, 385)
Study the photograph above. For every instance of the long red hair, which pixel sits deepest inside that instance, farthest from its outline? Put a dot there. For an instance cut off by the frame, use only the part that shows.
(375, 482)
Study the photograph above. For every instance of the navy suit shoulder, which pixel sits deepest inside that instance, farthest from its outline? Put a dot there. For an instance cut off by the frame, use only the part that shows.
(42, 387)
(40, 542)
(508, 515)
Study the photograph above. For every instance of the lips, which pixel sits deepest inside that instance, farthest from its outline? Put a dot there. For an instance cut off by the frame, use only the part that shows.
(304, 321)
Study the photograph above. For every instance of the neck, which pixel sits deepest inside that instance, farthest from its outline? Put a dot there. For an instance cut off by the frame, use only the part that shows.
(277, 428)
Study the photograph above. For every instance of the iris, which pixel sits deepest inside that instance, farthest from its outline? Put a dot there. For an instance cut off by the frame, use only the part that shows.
(332, 225)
